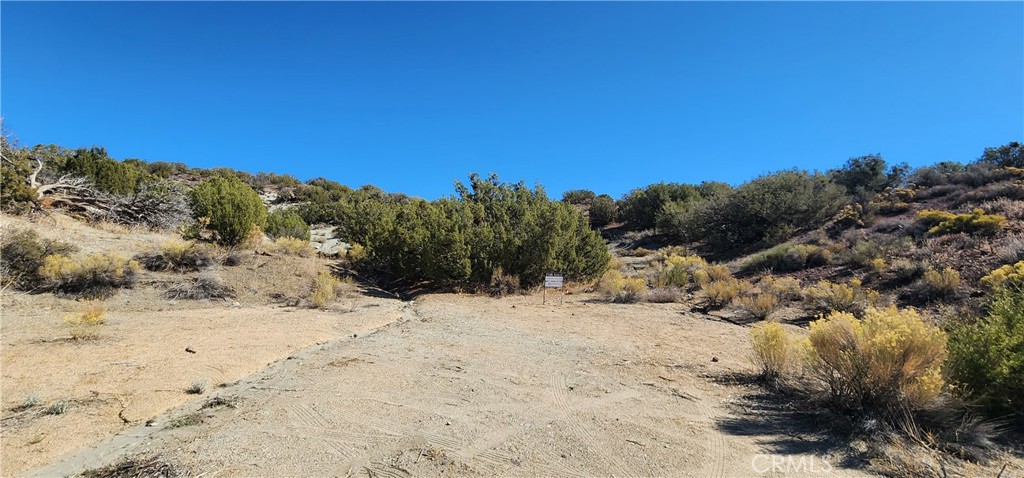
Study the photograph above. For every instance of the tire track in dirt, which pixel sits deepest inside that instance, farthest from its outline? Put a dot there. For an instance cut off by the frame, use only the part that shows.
(716, 439)
(561, 398)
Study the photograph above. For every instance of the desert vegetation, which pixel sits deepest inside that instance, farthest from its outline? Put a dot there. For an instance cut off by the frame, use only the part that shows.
(871, 291)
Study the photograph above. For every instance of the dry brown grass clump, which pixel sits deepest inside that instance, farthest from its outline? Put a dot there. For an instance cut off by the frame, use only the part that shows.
(722, 292)
(664, 295)
(293, 246)
(325, 289)
(23, 253)
(208, 285)
(95, 275)
(503, 284)
(786, 288)
(138, 467)
(179, 256)
(85, 324)
(826, 297)
(622, 289)
(760, 306)
(940, 284)
(718, 272)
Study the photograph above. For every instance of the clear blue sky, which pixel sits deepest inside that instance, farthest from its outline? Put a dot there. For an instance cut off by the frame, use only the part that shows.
(605, 96)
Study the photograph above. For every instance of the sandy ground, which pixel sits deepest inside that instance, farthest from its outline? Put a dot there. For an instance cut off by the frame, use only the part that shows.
(138, 367)
(471, 386)
(452, 385)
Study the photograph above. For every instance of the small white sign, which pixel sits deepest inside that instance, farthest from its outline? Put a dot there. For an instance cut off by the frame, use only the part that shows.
(552, 281)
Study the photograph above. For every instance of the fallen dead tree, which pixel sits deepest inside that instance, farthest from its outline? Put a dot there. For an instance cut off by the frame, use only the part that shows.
(159, 205)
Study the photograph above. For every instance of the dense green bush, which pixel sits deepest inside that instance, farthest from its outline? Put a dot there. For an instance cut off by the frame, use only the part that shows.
(768, 209)
(286, 223)
(641, 207)
(231, 207)
(107, 174)
(935, 175)
(986, 360)
(579, 196)
(461, 241)
(15, 194)
(603, 211)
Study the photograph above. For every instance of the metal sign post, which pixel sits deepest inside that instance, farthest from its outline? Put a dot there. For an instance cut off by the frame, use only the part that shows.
(554, 281)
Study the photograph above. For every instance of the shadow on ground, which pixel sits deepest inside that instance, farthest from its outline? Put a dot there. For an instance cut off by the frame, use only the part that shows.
(783, 423)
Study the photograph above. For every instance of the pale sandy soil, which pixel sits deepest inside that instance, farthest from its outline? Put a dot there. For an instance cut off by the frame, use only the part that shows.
(471, 386)
(452, 385)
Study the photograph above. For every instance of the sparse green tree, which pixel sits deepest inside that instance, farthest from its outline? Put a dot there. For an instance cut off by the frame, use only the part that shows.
(1008, 155)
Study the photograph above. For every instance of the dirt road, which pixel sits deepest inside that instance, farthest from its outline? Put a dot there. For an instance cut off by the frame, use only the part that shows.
(473, 386)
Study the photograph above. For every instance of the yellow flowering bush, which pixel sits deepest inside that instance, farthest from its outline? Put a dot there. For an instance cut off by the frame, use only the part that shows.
(1008, 274)
(889, 359)
(772, 349)
(977, 222)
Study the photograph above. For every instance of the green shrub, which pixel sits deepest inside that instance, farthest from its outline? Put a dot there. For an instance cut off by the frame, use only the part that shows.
(771, 208)
(460, 242)
(107, 174)
(889, 361)
(286, 223)
(904, 271)
(868, 174)
(672, 276)
(95, 275)
(977, 222)
(1008, 155)
(641, 207)
(603, 211)
(862, 254)
(16, 196)
(579, 196)
(230, 206)
(987, 358)
(22, 253)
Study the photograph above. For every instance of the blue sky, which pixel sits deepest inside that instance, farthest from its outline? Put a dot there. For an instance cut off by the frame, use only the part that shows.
(605, 96)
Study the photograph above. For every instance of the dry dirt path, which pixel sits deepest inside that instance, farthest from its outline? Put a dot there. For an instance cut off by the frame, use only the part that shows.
(472, 386)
